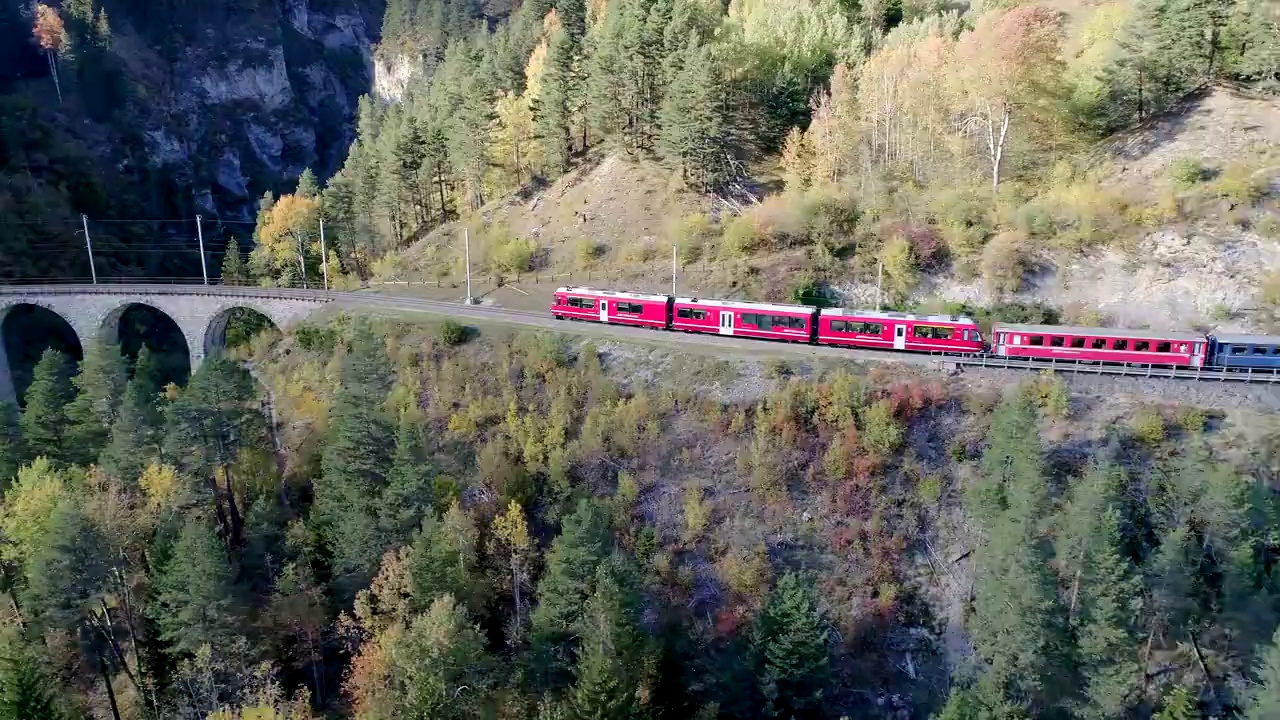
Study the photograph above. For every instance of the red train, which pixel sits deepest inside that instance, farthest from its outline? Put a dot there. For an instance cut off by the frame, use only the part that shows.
(772, 321)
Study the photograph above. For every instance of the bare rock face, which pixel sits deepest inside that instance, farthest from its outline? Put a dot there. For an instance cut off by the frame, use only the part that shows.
(251, 106)
(392, 75)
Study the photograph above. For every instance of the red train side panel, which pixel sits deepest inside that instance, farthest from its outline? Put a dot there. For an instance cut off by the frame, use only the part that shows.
(898, 331)
(611, 306)
(768, 321)
(1099, 345)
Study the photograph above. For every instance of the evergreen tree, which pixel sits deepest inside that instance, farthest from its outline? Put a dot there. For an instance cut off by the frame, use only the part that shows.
(356, 461)
(1016, 622)
(694, 135)
(44, 420)
(196, 600)
(789, 640)
(134, 435)
(553, 107)
(407, 497)
(307, 186)
(25, 689)
(12, 454)
(234, 271)
(566, 585)
(442, 669)
(614, 660)
(443, 559)
(99, 388)
(1264, 703)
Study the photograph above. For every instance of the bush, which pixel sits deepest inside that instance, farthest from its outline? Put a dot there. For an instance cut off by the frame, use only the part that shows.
(1191, 419)
(452, 333)
(741, 237)
(1187, 172)
(900, 267)
(1052, 395)
(514, 255)
(1004, 262)
(929, 491)
(586, 253)
(1148, 427)
(697, 513)
(1239, 185)
(315, 339)
(778, 369)
(882, 433)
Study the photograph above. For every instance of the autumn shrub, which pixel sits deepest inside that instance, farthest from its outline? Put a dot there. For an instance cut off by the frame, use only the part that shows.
(741, 237)
(641, 252)
(697, 514)
(313, 338)
(778, 369)
(1005, 261)
(1239, 184)
(513, 255)
(1191, 419)
(901, 271)
(840, 398)
(783, 220)
(882, 432)
(1050, 393)
(586, 252)
(746, 572)
(838, 460)
(1187, 172)
(452, 333)
(1148, 427)
(909, 397)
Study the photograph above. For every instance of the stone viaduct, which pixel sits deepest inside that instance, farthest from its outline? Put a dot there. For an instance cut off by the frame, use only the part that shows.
(200, 311)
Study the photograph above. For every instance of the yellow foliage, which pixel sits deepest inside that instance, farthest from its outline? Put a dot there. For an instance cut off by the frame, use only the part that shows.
(697, 513)
(29, 505)
(900, 272)
(746, 572)
(160, 484)
(291, 226)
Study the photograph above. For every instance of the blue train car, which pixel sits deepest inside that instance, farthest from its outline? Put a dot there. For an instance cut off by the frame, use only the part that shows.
(1246, 351)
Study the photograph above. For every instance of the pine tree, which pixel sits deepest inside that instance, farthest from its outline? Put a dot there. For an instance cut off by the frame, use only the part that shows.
(234, 271)
(789, 640)
(44, 420)
(1264, 703)
(444, 557)
(567, 583)
(441, 666)
(407, 497)
(25, 690)
(694, 135)
(12, 454)
(614, 660)
(196, 601)
(99, 389)
(307, 186)
(356, 461)
(134, 435)
(552, 111)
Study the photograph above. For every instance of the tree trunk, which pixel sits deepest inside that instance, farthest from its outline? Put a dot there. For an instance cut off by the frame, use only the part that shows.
(111, 692)
(996, 144)
(53, 70)
(233, 508)
(515, 588)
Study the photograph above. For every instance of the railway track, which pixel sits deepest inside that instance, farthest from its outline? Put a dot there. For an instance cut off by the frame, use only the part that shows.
(540, 319)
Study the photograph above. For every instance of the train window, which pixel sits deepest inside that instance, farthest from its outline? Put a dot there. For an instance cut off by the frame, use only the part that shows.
(1120, 345)
(1238, 349)
(699, 314)
(588, 304)
(798, 323)
(1141, 346)
(1036, 340)
(933, 332)
(1077, 342)
(1258, 350)
(1165, 347)
(750, 319)
(630, 308)
(1057, 341)
(684, 313)
(839, 326)
(575, 302)
(1275, 349)
(871, 328)
(1098, 344)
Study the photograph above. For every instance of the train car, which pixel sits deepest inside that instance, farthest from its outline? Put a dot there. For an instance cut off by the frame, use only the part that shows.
(898, 331)
(611, 306)
(1099, 345)
(1251, 352)
(796, 323)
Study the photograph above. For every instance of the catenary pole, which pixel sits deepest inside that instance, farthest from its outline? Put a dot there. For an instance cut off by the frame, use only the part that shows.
(88, 244)
(204, 269)
(466, 244)
(324, 256)
(879, 279)
(673, 269)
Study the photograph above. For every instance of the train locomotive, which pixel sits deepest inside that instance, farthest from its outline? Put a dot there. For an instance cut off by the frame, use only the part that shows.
(905, 332)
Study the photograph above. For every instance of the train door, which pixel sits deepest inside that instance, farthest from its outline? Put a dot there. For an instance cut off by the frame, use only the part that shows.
(726, 322)
(1197, 355)
(604, 311)
(899, 337)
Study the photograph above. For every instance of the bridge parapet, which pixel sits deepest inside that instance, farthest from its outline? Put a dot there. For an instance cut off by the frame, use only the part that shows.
(200, 311)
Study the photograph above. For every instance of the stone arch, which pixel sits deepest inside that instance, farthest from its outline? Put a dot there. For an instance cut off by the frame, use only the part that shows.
(72, 342)
(181, 362)
(215, 333)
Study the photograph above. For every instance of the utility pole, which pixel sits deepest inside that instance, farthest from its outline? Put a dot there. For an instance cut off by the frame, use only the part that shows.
(204, 270)
(302, 262)
(324, 256)
(466, 244)
(88, 244)
(879, 280)
(673, 269)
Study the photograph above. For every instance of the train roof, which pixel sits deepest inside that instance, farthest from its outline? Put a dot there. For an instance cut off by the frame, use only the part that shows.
(748, 305)
(1248, 339)
(1097, 332)
(876, 314)
(614, 293)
